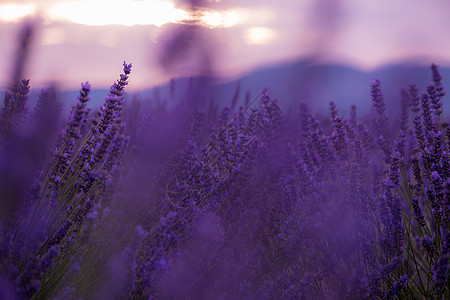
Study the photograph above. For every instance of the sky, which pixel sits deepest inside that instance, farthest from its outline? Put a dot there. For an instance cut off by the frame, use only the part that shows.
(79, 40)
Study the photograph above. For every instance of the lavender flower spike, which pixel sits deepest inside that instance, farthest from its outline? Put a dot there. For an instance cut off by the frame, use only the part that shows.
(378, 103)
(380, 120)
(112, 107)
(440, 92)
(418, 214)
(127, 67)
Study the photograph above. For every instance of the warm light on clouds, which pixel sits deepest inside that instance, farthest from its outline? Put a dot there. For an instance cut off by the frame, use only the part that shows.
(119, 12)
(259, 35)
(11, 12)
(133, 12)
(258, 15)
(368, 33)
(220, 19)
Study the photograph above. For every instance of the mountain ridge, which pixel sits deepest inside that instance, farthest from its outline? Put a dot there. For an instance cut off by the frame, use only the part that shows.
(291, 83)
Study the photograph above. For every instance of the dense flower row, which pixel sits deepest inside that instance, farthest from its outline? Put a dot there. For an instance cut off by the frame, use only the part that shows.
(239, 203)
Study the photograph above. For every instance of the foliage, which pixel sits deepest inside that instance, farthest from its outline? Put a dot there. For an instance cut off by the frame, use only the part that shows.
(239, 203)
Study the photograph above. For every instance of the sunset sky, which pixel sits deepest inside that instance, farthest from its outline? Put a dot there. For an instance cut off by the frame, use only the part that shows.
(82, 40)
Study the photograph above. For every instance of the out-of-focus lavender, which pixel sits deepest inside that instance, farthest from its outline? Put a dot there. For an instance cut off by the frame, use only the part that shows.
(244, 201)
(22, 54)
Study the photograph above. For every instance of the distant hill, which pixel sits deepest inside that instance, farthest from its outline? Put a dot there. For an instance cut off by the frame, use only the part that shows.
(316, 84)
(291, 83)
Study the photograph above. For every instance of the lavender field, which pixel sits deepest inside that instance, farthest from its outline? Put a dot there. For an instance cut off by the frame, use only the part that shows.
(199, 200)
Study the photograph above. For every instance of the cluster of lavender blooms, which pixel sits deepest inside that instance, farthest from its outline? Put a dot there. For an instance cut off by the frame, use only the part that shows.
(60, 177)
(139, 201)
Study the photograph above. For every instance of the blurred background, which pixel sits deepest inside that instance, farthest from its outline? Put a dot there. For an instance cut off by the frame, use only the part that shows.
(313, 50)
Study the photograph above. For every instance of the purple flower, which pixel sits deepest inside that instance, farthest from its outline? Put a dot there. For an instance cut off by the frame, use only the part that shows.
(420, 136)
(378, 103)
(397, 287)
(64, 146)
(15, 109)
(127, 68)
(428, 121)
(59, 235)
(436, 76)
(435, 100)
(47, 108)
(414, 97)
(420, 219)
(440, 274)
(404, 105)
(381, 126)
(333, 111)
(111, 109)
(47, 261)
(29, 282)
(428, 244)
(339, 137)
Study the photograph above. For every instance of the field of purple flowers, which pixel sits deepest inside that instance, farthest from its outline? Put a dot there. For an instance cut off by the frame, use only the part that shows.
(137, 201)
